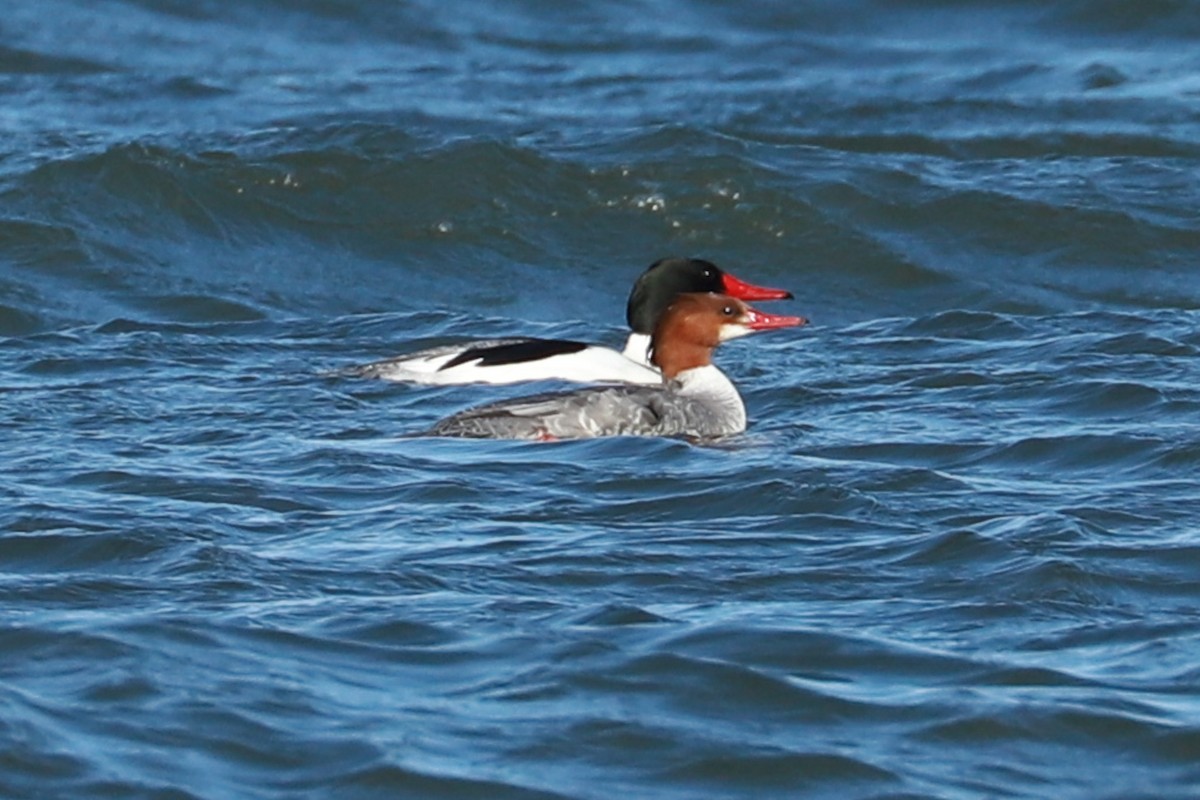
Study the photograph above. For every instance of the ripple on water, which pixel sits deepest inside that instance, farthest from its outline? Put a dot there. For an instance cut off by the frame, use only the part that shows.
(954, 555)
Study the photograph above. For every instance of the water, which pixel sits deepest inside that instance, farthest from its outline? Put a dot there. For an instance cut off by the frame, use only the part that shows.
(955, 555)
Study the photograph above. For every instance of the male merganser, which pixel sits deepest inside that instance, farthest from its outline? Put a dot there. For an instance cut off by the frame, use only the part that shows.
(499, 361)
(694, 399)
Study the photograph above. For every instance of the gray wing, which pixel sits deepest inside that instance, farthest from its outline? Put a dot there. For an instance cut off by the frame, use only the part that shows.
(598, 411)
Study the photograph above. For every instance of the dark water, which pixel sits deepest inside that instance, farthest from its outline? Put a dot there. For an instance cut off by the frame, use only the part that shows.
(956, 555)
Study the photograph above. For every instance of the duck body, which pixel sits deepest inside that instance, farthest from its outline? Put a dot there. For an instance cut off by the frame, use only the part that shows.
(701, 403)
(502, 361)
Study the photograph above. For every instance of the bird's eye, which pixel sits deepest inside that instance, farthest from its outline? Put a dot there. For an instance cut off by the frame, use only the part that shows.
(727, 311)
(708, 273)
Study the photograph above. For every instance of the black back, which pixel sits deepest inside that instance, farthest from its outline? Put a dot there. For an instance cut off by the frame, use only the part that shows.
(666, 279)
(514, 352)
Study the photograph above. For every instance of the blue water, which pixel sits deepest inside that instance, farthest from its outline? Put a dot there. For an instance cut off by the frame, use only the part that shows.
(955, 555)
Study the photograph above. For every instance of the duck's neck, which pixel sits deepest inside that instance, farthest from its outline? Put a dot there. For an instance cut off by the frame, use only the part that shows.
(637, 348)
(680, 356)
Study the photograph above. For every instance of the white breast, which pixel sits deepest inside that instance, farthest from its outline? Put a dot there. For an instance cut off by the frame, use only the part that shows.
(720, 398)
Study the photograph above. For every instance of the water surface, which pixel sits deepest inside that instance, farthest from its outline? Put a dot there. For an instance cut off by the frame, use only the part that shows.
(954, 556)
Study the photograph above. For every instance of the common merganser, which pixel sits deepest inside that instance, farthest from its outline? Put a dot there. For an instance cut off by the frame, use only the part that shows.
(694, 399)
(498, 361)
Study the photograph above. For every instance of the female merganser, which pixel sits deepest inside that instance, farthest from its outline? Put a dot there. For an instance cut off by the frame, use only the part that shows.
(694, 399)
(499, 361)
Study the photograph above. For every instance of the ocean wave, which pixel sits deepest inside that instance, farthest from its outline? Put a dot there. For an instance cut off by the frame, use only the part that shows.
(954, 555)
